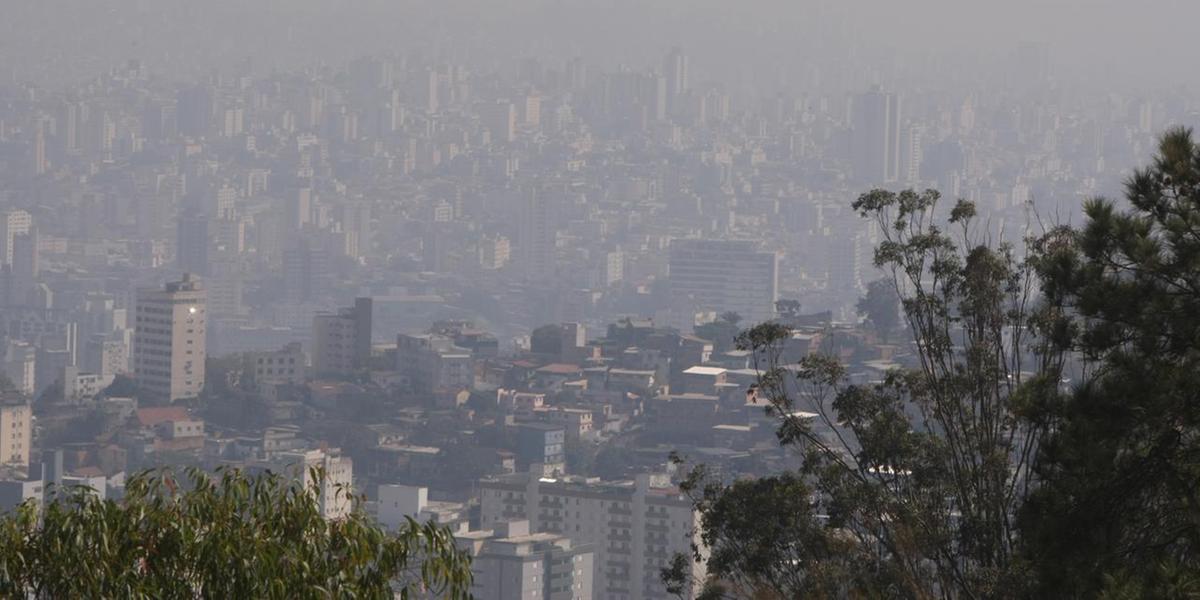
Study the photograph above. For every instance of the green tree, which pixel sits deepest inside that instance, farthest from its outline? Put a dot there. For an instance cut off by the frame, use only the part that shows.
(787, 308)
(227, 535)
(1119, 509)
(881, 308)
(766, 540)
(918, 477)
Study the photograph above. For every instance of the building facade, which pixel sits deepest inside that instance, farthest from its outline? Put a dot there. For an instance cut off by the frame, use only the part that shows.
(16, 431)
(169, 340)
(510, 562)
(341, 342)
(635, 528)
(723, 275)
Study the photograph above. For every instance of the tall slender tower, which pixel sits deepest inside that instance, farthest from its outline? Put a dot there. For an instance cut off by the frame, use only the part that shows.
(675, 69)
(537, 235)
(875, 139)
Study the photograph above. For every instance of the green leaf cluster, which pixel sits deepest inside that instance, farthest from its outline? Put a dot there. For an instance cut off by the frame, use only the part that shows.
(222, 535)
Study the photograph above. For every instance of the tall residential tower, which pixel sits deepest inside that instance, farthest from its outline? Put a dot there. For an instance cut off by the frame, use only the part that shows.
(169, 348)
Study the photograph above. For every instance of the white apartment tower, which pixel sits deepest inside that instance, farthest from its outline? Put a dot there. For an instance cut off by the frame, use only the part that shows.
(168, 346)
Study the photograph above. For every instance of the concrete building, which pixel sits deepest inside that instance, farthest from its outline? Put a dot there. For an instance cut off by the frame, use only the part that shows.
(81, 385)
(20, 365)
(16, 431)
(537, 235)
(286, 366)
(511, 563)
(169, 339)
(723, 275)
(541, 444)
(341, 342)
(335, 500)
(13, 222)
(396, 503)
(634, 527)
(434, 363)
(13, 492)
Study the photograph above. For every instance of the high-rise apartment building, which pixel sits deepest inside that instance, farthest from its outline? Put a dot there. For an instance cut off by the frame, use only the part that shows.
(536, 250)
(13, 222)
(16, 430)
(875, 136)
(341, 342)
(721, 276)
(169, 339)
(675, 70)
(634, 528)
(40, 164)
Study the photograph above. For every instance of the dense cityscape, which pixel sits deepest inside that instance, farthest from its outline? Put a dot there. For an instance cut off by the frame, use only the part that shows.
(498, 293)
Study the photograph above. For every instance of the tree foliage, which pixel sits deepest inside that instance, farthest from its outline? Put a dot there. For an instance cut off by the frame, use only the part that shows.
(227, 535)
(1120, 507)
(916, 478)
(881, 308)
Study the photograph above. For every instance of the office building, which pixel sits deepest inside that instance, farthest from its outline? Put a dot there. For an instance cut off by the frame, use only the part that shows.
(341, 342)
(875, 136)
(509, 562)
(169, 339)
(634, 527)
(721, 276)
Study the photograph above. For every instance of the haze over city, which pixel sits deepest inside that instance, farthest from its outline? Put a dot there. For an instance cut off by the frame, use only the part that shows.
(582, 283)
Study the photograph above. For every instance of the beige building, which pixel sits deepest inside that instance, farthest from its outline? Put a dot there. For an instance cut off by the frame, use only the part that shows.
(169, 340)
(16, 429)
(634, 528)
(13, 222)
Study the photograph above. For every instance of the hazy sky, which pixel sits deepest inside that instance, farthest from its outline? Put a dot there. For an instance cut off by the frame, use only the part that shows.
(1110, 42)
